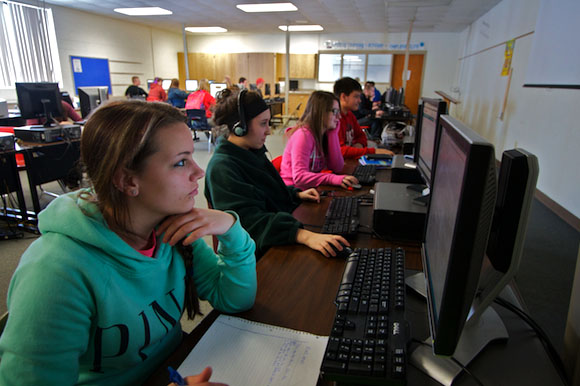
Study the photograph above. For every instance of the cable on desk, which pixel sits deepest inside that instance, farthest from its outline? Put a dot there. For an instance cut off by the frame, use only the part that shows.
(454, 360)
(550, 349)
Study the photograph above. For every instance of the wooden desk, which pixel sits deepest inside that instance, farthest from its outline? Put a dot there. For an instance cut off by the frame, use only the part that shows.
(297, 287)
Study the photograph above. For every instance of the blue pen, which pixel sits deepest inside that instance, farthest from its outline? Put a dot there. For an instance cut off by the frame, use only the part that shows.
(175, 377)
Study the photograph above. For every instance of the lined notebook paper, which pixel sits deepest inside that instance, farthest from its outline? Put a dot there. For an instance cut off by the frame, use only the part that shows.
(242, 352)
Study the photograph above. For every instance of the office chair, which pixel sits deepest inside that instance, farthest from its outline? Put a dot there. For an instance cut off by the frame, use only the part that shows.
(196, 120)
(3, 320)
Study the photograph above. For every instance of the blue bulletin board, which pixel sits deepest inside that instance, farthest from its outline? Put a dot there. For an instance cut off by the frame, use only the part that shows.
(90, 72)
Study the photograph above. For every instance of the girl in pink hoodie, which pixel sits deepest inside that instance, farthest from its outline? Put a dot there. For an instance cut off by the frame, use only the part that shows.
(313, 146)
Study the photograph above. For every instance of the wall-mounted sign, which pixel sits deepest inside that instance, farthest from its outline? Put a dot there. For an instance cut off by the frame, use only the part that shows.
(338, 45)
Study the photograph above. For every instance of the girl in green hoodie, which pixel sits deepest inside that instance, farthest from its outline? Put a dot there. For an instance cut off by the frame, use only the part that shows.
(97, 299)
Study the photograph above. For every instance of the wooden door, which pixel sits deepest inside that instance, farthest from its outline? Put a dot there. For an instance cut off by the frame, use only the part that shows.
(413, 91)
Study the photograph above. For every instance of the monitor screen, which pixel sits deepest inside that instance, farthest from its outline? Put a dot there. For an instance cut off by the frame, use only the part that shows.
(277, 89)
(267, 89)
(166, 84)
(214, 88)
(458, 224)
(149, 83)
(38, 100)
(431, 110)
(293, 85)
(91, 97)
(191, 85)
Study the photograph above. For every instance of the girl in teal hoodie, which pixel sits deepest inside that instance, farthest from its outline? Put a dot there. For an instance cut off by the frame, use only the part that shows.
(97, 299)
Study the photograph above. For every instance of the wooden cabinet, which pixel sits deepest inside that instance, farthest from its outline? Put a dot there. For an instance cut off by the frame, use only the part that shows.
(216, 66)
(295, 99)
(302, 66)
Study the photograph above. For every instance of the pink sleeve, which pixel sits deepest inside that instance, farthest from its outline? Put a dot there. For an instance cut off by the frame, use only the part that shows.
(302, 145)
(335, 160)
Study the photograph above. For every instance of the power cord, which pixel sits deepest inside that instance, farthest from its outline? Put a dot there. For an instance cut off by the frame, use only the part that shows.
(550, 349)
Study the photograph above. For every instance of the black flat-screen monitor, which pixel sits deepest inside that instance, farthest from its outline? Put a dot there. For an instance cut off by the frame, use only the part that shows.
(39, 100)
(277, 89)
(293, 85)
(428, 136)
(458, 224)
(267, 89)
(91, 97)
(462, 321)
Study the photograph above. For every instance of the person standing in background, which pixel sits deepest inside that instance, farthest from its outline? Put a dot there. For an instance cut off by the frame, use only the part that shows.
(175, 95)
(134, 90)
(201, 99)
(157, 93)
(243, 83)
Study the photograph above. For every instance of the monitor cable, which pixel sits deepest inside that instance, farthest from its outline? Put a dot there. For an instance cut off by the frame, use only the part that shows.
(550, 349)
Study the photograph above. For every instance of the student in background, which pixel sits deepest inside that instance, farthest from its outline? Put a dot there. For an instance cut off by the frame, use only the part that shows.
(259, 85)
(98, 297)
(369, 114)
(353, 141)
(156, 92)
(313, 146)
(241, 178)
(175, 95)
(201, 99)
(134, 90)
(243, 83)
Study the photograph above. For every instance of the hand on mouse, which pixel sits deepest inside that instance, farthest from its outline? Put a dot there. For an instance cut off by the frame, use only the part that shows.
(321, 242)
(348, 181)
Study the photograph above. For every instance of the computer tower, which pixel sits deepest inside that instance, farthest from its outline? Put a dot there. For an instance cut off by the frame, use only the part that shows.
(38, 134)
(404, 171)
(71, 131)
(396, 215)
(6, 141)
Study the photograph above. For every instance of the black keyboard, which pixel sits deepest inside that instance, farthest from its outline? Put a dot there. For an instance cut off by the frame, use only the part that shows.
(365, 174)
(368, 342)
(342, 216)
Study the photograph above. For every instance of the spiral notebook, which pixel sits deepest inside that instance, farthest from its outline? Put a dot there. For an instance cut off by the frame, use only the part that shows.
(243, 352)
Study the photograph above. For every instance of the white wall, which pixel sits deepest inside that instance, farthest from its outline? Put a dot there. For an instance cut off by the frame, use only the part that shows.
(542, 121)
(132, 49)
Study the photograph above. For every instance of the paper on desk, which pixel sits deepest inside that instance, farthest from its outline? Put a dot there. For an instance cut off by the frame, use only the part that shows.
(242, 352)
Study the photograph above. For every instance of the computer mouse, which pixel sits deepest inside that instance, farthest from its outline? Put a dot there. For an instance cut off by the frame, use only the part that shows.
(356, 186)
(346, 251)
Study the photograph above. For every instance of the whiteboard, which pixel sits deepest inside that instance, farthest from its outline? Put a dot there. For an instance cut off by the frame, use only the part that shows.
(555, 56)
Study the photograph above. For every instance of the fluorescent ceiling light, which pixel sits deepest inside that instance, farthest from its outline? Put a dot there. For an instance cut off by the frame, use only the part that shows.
(145, 11)
(267, 7)
(205, 29)
(301, 28)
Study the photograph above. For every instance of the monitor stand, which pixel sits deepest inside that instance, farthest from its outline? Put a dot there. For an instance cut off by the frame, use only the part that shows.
(477, 333)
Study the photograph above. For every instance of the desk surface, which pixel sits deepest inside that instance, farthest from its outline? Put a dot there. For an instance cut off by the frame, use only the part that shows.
(297, 287)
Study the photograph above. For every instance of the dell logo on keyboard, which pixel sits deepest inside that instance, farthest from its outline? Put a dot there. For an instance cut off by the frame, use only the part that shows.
(396, 328)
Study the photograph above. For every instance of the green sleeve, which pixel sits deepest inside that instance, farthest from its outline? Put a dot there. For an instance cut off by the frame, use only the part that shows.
(227, 280)
(39, 324)
(226, 191)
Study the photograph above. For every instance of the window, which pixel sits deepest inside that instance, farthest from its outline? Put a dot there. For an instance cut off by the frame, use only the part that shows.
(365, 66)
(331, 64)
(28, 50)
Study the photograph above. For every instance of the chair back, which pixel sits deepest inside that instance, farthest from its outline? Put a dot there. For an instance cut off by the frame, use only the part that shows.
(196, 119)
(277, 162)
(3, 320)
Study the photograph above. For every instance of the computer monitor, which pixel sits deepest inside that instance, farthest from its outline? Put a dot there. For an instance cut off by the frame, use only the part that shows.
(191, 85)
(253, 87)
(149, 83)
(458, 224)
(39, 100)
(277, 89)
(91, 97)
(428, 136)
(461, 286)
(267, 89)
(166, 84)
(214, 88)
(293, 85)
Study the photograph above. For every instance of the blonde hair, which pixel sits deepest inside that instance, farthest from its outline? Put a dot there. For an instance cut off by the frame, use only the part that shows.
(203, 85)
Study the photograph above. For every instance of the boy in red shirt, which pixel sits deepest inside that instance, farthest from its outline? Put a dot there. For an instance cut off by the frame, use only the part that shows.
(353, 141)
